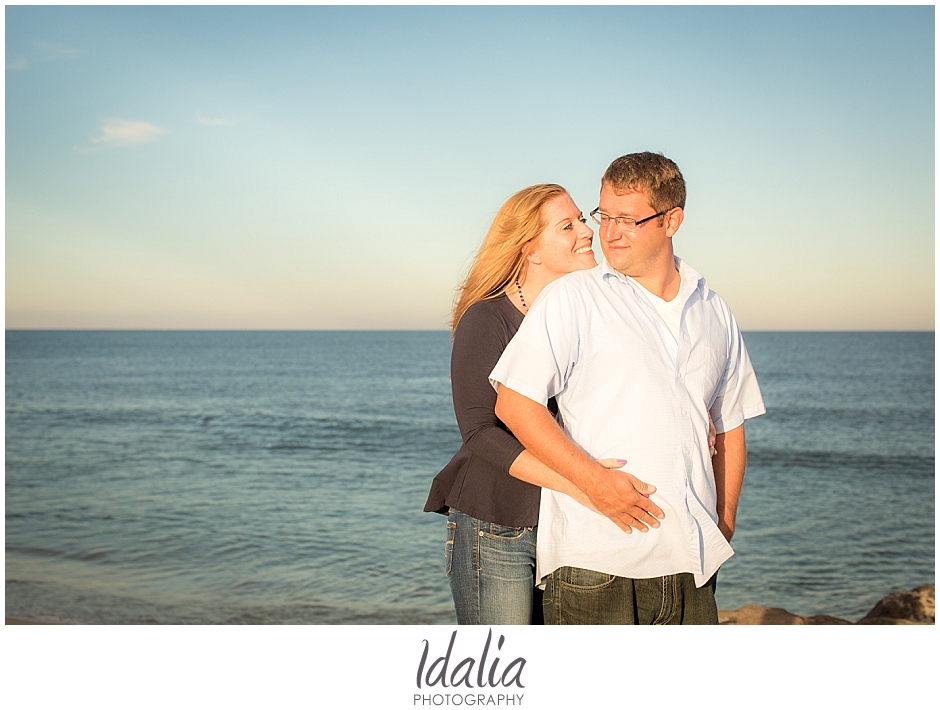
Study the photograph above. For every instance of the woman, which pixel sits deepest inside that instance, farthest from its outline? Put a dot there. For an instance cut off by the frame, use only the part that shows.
(490, 489)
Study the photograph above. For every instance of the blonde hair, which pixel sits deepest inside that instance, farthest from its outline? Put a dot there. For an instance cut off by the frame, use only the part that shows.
(501, 258)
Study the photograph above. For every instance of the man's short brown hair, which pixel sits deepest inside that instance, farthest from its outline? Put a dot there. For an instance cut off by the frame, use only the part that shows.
(652, 173)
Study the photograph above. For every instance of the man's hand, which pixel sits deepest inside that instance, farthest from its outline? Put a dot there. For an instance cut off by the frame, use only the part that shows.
(726, 530)
(618, 495)
(624, 499)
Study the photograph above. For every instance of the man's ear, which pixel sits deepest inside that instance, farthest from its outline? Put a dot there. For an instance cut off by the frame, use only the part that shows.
(673, 220)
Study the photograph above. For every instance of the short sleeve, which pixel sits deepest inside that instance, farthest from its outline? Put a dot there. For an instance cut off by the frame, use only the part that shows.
(739, 397)
(538, 361)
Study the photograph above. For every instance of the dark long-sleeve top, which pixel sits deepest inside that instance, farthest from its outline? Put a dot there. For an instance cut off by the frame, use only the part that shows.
(477, 480)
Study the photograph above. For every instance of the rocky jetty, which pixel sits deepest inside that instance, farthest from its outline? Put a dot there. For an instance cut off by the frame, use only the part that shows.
(914, 606)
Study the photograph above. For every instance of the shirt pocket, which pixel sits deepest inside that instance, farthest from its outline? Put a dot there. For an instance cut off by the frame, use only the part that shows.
(706, 372)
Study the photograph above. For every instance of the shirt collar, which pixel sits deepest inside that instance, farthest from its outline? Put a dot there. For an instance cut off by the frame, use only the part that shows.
(692, 280)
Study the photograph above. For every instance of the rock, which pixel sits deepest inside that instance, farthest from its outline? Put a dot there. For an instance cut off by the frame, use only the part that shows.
(915, 606)
(755, 614)
(825, 620)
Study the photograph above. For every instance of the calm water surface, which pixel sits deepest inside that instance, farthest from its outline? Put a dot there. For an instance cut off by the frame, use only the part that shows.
(260, 477)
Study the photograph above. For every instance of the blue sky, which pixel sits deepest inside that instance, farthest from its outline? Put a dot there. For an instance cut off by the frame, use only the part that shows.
(336, 167)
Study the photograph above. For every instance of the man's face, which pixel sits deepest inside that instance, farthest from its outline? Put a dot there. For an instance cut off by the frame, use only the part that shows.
(644, 249)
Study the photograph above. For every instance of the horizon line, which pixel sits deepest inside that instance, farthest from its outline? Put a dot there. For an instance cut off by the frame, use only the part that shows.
(398, 330)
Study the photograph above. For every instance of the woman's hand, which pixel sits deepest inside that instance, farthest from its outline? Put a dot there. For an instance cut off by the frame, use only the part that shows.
(712, 436)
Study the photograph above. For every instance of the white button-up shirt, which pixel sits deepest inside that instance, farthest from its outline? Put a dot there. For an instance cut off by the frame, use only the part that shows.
(626, 389)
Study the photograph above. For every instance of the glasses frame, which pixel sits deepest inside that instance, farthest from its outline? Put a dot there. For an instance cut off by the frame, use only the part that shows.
(623, 222)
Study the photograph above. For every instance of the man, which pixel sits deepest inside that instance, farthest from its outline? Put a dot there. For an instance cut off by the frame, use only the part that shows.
(637, 352)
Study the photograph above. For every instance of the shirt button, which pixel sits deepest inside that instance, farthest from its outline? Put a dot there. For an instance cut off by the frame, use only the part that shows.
(678, 375)
(685, 412)
(686, 452)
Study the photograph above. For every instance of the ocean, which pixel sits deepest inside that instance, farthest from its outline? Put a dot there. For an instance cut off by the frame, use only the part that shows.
(279, 477)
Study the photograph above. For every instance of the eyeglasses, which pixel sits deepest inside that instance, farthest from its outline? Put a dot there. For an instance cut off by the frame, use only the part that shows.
(627, 224)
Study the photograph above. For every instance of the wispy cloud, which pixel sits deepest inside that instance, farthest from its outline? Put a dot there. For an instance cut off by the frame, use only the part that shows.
(18, 64)
(206, 121)
(52, 50)
(120, 132)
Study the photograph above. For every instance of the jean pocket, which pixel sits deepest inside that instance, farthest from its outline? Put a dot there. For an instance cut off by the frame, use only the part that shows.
(502, 532)
(578, 578)
(449, 547)
(548, 595)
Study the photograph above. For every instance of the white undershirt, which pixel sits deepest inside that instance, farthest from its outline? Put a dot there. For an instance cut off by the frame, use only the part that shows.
(669, 311)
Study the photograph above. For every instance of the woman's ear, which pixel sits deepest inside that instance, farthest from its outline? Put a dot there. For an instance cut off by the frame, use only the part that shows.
(533, 257)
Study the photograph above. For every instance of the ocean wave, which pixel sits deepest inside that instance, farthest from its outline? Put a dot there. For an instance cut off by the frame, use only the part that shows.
(758, 458)
(98, 556)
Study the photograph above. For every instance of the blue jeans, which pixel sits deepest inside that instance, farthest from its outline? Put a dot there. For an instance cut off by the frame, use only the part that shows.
(492, 571)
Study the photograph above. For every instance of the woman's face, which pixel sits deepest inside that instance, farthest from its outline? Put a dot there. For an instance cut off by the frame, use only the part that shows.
(565, 243)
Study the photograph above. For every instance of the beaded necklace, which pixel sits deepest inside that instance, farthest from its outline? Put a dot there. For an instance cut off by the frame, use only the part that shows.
(519, 291)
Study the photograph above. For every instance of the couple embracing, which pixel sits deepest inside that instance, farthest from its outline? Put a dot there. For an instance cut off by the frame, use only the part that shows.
(588, 394)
